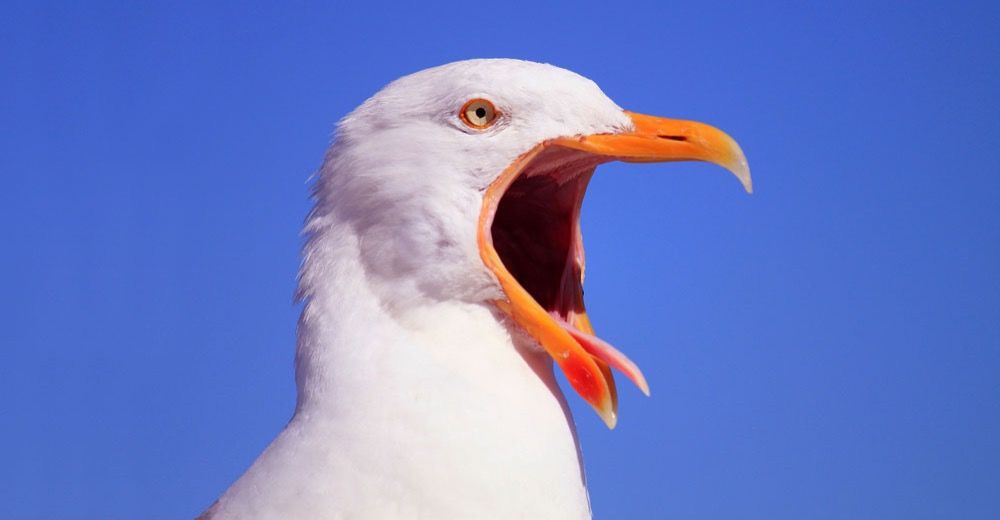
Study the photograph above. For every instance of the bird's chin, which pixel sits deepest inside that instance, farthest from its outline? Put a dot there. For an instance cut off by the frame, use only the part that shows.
(529, 237)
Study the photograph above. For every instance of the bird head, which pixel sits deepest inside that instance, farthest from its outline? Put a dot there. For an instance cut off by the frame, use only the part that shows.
(465, 182)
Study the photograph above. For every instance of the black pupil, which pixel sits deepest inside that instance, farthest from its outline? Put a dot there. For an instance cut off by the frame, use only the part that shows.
(480, 112)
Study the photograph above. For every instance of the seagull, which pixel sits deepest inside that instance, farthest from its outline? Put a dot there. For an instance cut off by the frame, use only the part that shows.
(442, 283)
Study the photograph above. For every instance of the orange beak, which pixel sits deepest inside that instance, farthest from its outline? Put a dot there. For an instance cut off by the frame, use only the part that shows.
(567, 335)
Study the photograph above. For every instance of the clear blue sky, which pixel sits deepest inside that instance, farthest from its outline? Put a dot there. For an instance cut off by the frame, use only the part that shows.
(826, 348)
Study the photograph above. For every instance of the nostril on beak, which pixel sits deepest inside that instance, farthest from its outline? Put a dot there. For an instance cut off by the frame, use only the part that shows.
(673, 137)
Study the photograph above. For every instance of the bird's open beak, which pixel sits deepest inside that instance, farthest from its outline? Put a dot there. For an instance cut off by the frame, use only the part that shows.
(538, 197)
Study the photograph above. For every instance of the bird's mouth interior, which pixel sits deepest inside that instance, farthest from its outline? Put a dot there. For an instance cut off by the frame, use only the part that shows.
(536, 229)
(531, 240)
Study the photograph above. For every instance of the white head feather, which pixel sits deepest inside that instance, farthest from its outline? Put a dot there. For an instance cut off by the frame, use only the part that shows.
(409, 176)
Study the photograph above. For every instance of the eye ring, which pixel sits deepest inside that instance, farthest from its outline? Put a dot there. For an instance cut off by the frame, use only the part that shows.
(479, 113)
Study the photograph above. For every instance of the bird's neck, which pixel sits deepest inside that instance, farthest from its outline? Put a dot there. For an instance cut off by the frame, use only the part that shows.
(433, 398)
(361, 331)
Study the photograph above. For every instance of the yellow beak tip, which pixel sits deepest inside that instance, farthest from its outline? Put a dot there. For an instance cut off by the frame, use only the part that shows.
(747, 182)
(610, 420)
(741, 170)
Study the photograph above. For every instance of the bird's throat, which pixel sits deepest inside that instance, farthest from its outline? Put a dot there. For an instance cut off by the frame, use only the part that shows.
(444, 391)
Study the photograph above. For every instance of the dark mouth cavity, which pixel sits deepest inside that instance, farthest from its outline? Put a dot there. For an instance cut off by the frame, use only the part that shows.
(536, 228)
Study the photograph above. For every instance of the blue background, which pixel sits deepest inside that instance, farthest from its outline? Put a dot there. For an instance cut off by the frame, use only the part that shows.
(826, 348)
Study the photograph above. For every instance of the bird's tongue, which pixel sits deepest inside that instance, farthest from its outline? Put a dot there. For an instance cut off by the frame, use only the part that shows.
(569, 310)
(601, 349)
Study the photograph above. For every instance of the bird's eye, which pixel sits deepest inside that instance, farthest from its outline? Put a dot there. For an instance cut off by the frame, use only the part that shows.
(478, 113)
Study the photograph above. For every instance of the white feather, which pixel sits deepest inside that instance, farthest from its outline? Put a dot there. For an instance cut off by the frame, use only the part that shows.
(417, 399)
